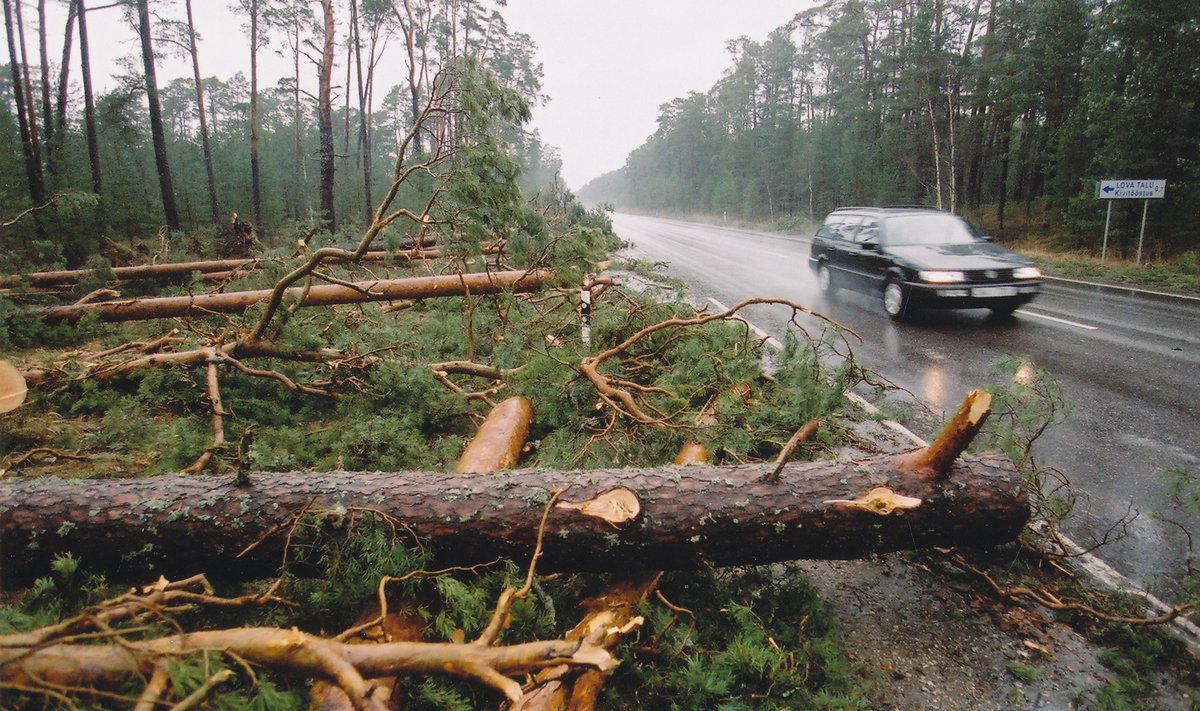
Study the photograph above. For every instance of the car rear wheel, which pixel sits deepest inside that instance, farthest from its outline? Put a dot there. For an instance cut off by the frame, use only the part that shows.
(895, 301)
(825, 280)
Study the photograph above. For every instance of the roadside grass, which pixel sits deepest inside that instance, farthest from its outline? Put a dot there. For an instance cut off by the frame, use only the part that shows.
(1179, 274)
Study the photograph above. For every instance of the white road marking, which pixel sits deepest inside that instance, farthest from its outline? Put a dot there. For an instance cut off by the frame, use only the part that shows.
(1076, 324)
(1099, 570)
(1122, 287)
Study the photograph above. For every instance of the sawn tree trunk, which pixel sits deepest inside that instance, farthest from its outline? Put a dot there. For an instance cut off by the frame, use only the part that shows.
(618, 520)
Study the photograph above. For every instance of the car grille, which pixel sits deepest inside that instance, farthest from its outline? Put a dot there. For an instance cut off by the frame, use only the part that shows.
(989, 275)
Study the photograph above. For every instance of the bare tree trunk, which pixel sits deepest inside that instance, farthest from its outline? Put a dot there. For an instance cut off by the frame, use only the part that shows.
(364, 109)
(416, 72)
(325, 118)
(33, 163)
(321, 295)
(617, 520)
(165, 184)
(60, 119)
(299, 181)
(214, 211)
(255, 172)
(89, 104)
(47, 112)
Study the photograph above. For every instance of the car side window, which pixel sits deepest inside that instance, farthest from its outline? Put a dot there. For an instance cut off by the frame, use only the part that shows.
(868, 233)
(830, 230)
(848, 228)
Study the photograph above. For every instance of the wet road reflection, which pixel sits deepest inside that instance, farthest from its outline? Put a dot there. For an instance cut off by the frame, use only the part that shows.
(1128, 365)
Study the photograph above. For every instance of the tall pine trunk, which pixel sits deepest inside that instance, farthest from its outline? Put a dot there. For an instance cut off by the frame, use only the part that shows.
(166, 186)
(60, 118)
(364, 107)
(33, 164)
(214, 210)
(325, 118)
(89, 103)
(255, 176)
(47, 112)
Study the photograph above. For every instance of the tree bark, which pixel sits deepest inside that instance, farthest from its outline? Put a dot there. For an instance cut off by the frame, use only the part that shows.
(325, 118)
(669, 519)
(255, 172)
(47, 114)
(165, 184)
(323, 295)
(64, 73)
(214, 210)
(89, 103)
(33, 166)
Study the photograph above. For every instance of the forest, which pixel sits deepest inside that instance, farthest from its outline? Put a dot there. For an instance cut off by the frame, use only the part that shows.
(1007, 111)
(329, 395)
(313, 149)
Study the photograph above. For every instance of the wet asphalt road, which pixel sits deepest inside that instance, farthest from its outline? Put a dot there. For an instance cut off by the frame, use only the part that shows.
(1128, 364)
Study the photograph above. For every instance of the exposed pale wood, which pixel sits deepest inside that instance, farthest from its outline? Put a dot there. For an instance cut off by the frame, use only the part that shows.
(936, 459)
(498, 443)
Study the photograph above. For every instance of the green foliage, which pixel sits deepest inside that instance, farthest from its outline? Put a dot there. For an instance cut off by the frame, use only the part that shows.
(1022, 410)
(760, 640)
(1023, 672)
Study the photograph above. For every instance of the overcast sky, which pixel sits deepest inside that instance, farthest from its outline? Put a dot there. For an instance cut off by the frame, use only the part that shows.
(608, 64)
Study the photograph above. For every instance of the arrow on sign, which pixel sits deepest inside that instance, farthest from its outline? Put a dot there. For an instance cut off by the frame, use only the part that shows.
(1109, 188)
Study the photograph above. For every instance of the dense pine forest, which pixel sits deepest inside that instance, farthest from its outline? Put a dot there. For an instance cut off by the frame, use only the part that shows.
(313, 149)
(1008, 111)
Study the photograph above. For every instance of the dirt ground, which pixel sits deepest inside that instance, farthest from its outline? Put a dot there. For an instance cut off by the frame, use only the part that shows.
(933, 643)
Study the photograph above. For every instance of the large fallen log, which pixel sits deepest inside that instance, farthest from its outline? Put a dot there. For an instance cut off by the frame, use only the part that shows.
(620, 520)
(321, 295)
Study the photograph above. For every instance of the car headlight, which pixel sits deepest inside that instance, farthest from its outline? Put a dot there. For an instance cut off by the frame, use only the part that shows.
(941, 277)
(1027, 273)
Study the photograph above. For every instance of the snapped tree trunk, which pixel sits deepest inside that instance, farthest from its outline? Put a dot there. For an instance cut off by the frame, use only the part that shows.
(606, 520)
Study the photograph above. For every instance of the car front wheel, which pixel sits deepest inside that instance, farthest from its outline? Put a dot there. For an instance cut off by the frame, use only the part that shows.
(825, 280)
(895, 301)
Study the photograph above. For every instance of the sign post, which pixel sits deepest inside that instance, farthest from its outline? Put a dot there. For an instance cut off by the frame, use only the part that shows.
(1145, 190)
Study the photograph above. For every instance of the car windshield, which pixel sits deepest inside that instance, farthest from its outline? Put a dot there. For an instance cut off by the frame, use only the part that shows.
(928, 229)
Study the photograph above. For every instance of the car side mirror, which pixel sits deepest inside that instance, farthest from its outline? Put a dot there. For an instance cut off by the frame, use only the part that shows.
(869, 246)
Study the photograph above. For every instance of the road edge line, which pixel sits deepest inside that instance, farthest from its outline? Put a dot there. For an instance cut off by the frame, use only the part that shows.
(1122, 287)
(1091, 564)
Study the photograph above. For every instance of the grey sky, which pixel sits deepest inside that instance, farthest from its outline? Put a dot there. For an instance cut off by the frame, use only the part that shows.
(608, 64)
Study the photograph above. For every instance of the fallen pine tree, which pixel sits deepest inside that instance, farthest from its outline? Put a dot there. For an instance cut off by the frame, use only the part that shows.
(321, 295)
(611, 519)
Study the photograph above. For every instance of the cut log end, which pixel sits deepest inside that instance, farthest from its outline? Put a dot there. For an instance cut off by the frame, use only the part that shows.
(498, 443)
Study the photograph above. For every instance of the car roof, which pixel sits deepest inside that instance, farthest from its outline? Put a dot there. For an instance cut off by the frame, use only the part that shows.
(888, 210)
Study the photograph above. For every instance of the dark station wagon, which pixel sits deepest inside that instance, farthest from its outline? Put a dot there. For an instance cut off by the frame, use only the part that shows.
(919, 257)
